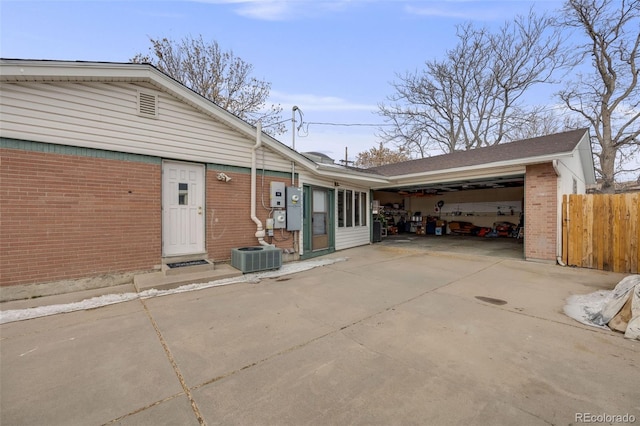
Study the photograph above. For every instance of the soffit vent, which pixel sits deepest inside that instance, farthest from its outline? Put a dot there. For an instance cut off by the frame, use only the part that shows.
(148, 105)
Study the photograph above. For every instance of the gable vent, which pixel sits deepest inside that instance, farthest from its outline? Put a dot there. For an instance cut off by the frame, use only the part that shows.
(148, 105)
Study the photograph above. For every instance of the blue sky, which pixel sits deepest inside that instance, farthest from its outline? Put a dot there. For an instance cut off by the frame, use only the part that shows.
(334, 59)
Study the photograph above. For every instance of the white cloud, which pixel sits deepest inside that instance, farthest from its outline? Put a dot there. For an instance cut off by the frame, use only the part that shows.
(310, 102)
(454, 10)
(266, 10)
(280, 10)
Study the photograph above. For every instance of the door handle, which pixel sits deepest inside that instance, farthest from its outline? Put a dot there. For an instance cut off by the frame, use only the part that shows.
(200, 210)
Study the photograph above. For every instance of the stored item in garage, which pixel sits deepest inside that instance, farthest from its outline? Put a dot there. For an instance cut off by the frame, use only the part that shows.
(466, 228)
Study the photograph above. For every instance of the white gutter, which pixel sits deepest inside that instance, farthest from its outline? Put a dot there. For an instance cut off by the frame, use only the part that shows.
(260, 233)
(554, 163)
(361, 178)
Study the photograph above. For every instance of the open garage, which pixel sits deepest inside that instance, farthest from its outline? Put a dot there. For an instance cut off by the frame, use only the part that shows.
(510, 191)
(484, 216)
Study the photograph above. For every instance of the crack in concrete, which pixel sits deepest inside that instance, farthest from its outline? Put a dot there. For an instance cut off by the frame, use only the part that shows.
(272, 356)
(140, 410)
(174, 364)
(339, 329)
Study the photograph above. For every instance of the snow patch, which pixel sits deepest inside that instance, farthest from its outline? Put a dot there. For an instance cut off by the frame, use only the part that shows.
(43, 311)
(110, 299)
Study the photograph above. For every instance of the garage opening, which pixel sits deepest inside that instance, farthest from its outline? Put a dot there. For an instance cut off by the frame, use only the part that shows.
(480, 216)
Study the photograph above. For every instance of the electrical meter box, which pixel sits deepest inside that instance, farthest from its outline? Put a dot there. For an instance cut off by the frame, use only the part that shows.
(280, 219)
(294, 208)
(277, 194)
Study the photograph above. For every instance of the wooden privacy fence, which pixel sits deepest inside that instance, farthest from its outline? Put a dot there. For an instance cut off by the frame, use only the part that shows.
(601, 231)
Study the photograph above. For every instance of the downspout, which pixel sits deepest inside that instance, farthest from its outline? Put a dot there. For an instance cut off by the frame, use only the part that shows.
(554, 163)
(293, 143)
(260, 233)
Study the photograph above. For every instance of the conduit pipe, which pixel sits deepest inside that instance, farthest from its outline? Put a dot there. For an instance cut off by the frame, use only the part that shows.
(260, 233)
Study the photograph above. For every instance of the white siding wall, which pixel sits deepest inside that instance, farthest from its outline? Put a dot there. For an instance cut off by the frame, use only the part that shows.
(345, 237)
(104, 116)
(353, 236)
(570, 169)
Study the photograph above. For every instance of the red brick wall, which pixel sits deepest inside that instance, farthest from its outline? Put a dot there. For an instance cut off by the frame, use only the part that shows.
(541, 212)
(66, 216)
(229, 223)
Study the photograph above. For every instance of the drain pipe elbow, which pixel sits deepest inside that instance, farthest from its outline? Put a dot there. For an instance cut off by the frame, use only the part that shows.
(260, 232)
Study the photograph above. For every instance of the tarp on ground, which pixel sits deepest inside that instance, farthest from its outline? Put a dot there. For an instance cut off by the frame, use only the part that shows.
(617, 309)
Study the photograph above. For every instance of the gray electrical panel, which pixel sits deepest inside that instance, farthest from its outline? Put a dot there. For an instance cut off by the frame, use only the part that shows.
(277, 194)
(279, 219)
(294, 209)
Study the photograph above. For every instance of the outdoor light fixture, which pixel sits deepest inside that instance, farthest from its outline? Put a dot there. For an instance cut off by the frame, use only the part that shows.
(223, 177)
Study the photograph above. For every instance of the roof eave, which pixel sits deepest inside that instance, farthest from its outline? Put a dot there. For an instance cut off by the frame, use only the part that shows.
(585, 153)
(353, 175)
(35, 70)
(521, 162)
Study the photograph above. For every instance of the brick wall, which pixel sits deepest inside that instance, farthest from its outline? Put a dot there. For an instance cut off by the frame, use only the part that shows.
(229, 223)
(541, 212)
(66, 216)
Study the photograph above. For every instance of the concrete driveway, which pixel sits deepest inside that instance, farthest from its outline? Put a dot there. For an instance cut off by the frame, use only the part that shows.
(462, 244)
(391, 336)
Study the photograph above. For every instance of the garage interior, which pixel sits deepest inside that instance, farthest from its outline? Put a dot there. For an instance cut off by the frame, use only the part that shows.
(480, 216)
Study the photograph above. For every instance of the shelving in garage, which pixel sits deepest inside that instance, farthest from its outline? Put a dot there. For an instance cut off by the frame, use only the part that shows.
(481, 205)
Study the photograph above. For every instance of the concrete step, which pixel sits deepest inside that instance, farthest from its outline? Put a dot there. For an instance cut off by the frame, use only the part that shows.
(162, 281)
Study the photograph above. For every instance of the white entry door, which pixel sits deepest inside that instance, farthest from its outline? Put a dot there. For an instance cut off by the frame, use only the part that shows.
(182, 208)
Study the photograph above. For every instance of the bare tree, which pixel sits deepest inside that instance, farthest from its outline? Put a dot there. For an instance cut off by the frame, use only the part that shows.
(380, 156)
(544, 121)
(218, 76)
(473, 97)
(608, 97)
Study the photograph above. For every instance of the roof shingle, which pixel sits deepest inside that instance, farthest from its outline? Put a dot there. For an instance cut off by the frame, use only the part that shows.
(558, 143)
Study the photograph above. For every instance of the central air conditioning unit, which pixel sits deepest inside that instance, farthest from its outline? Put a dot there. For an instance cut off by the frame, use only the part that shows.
(253, 259)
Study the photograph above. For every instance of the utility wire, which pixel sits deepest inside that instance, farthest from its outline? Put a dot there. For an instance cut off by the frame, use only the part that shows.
(348, 124)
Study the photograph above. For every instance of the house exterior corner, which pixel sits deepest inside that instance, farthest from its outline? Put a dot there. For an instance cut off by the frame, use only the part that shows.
(541, 205)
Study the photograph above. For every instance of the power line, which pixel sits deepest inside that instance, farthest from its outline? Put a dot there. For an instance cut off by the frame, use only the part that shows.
(348, 124)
